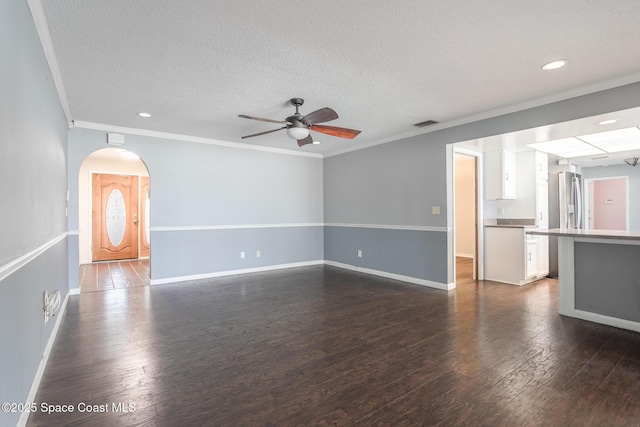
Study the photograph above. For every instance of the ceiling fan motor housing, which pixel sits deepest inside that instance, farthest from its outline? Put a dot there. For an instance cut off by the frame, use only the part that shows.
(296, 121)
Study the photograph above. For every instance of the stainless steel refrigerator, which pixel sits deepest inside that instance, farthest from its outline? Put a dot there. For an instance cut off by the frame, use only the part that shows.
(566, 209)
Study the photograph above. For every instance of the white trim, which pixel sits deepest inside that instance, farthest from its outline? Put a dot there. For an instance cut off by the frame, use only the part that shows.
(514, 108)
(233, 227)
(40, 21)
(74, 232)
(390, 227)
(589, 200)
(414, 280)
(451, 151)
(74, 291)
(154, 282)
(607, 320)
(13, 266)
(300, 224)
(188, 138)
(43, 362)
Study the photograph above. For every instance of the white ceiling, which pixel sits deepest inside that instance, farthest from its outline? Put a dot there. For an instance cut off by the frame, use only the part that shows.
(382, 65)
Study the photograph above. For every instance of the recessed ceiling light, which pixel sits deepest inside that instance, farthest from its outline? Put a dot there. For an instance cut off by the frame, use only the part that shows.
(607, 122)
(554, 65)
(316, 142)
(145, 115)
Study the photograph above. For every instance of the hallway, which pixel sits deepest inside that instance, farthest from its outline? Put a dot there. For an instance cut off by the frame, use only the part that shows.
(104, 276)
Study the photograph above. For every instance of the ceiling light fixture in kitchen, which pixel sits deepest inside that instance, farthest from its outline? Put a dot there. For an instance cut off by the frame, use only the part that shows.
(632, 161)
(554, 65)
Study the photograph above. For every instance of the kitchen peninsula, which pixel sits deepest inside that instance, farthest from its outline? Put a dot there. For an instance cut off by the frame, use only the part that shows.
(599, 275)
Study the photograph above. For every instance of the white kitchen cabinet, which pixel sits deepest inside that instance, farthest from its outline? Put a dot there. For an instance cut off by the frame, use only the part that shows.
(542, 203)
(531, 261)
(542, 165)
(511, 256)
(500, 172)
(543, 256)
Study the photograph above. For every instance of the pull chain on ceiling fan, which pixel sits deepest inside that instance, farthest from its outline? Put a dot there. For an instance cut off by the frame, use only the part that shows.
(298, 126)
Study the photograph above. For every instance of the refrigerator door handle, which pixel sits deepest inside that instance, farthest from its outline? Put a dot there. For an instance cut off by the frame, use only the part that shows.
(578, 202)
(563, 202)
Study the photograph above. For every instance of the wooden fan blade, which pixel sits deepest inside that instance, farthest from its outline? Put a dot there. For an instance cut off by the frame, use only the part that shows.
(244, 116)
(263, 133)
(307, 140)
(320, 116)
(336, 131)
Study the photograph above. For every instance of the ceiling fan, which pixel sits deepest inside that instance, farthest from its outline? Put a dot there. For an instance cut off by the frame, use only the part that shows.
(298, 126)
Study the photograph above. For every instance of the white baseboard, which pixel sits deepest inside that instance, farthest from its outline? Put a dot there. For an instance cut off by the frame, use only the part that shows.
(74, 291)
(31, 397)
(607, 320)
(414, 280)
(232, 272)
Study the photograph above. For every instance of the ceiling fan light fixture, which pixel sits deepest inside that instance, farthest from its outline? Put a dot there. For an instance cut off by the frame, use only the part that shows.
(297, 133)
(632, 161)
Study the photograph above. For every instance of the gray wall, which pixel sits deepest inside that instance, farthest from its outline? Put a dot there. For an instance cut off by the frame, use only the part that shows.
(197, 189)
(608, 278)
(32, 197)
(633, 172)
(397, 183)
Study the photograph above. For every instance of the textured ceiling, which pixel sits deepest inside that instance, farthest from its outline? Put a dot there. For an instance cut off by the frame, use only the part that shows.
(382, 65)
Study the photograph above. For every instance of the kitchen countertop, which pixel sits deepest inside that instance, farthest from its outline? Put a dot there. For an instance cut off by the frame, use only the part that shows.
(510, 226)
(592, 234)
(511, 223)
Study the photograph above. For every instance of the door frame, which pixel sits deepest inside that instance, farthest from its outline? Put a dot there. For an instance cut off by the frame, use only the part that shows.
(451, 149)
(92, 164)
(588, 199)
(130, 185)
(89, 207)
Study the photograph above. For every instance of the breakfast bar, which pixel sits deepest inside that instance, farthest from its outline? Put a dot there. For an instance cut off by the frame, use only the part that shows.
(598, 275)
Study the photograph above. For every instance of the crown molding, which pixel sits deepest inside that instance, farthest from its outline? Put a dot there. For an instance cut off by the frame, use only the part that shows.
(514, 108)
(188, 138)
(40, 21)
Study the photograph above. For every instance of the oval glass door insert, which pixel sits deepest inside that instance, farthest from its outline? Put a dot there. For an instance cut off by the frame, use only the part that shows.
(116, 215)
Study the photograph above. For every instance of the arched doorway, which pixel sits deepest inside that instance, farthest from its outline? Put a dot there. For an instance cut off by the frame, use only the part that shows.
(114, 209)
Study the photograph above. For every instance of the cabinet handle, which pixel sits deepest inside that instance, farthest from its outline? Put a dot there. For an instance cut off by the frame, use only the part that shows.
(540, 216)
(506, 176)
(529, 256)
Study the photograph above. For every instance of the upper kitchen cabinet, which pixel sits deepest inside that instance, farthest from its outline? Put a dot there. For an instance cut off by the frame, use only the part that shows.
(542, 165)
(500, 175)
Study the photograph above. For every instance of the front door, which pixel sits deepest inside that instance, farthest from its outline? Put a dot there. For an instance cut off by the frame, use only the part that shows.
(114, 217)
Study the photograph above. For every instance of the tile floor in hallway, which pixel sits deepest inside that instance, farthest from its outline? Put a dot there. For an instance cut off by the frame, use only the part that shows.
(102, 276)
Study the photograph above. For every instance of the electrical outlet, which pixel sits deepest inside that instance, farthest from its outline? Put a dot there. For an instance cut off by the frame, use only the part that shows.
(257, 254)
(241, 254)
(435, 210)
(359, 253)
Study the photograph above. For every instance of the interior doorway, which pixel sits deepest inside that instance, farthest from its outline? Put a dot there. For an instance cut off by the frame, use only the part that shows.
(114, 217)
(607, 201)
(466, 217)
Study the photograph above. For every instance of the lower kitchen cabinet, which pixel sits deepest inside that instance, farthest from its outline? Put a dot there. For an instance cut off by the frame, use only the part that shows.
(511, 256)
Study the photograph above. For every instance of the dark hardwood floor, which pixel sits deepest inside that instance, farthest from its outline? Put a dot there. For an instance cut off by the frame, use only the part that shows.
(325, 346)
